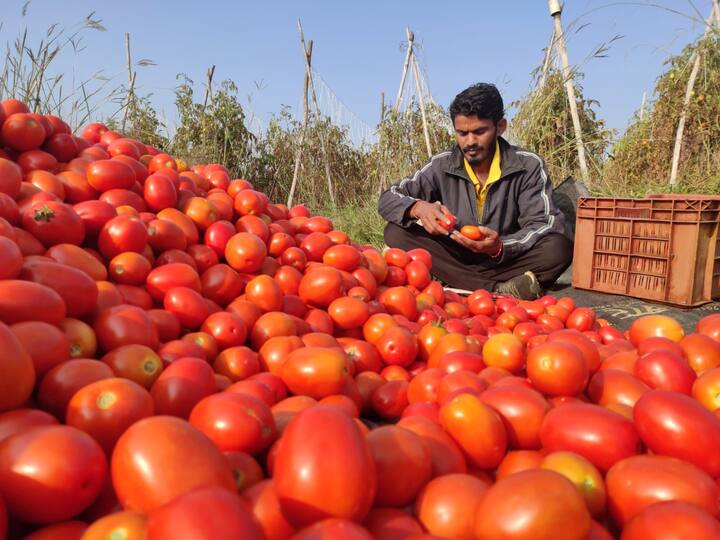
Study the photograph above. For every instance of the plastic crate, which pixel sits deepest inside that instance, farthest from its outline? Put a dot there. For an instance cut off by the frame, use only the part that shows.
(662, 248)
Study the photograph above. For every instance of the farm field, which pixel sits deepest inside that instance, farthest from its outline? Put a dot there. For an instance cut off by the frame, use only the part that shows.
(202, 335)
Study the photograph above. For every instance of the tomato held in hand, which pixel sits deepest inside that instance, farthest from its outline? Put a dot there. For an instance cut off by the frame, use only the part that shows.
(472, 232)
(449, 222)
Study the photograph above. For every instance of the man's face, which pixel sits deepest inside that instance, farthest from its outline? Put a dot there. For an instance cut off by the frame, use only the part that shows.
(476, 136)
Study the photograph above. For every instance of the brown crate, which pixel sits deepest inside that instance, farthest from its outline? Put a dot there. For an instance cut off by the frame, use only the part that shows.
(662, 248)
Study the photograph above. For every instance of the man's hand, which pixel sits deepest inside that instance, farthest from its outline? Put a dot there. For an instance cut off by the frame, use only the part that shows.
(430, 216)
(489, 245)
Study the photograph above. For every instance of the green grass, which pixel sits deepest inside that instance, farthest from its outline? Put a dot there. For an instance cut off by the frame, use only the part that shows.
(360, 220)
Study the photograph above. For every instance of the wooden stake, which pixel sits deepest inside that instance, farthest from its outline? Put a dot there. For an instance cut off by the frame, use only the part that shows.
(303, 129)
(131, 81)
(323, 145)
(306, 83)
(416, 76)
(382, 106)
(642, 106)
(546, 62)
(406, 65)
(677, 148)
(208, 86)
(555, 11)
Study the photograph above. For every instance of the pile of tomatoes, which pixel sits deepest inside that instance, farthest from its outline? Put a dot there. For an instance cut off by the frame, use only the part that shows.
(182, 358)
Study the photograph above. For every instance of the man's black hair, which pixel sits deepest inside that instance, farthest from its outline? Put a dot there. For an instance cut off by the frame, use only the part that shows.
(482, 100)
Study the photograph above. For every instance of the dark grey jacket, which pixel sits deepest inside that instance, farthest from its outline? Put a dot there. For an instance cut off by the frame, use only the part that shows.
(519, 206)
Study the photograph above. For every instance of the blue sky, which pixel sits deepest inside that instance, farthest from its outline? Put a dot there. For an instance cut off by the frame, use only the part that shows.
(358, 46)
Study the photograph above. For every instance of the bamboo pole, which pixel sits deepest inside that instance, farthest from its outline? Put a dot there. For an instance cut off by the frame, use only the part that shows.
(303, 129)
(555, 11)
(382, 106)
(677, 148)
(546, 61)
(416, 76)
(323, 146)
(406, 65)
(642, 106)
(208, 86)
(131, 81)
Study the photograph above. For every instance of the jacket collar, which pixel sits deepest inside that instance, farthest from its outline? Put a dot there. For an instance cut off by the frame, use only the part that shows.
(509, 161)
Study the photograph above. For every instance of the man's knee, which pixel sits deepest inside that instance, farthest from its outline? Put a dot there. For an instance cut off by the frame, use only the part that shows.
(559, 250)
(394, 235)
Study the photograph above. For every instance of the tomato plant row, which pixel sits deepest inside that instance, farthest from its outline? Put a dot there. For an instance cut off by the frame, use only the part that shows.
(182, 358)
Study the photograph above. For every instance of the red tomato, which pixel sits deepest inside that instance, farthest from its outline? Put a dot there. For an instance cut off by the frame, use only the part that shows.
(581, 319)
(518, 460)
(77, 289)
(397, 346)
(672, 519)
(337, 529)
(522, 411)
(160, 458)
(22, 131)
(235, 421)
(79, 258)
(472, 232)
(583, 474)
(187, 305)
(391, 524)
(477, 428)
(204, 513)
(665, 370)
(120, 234)
(138, 363)
(123, 325)
(28, 301)
(245, 252)
(676, 425)
(50, 473)
(314, 371)
(390, 399)
(400, 301)
(20, 420)
(106, 408)
(596, 433)
(348, 313)
(706, 389)
(106, 174)
(47, 352)
(504, 351)
(324, 472)
(640, 481)
(557, 369)
(10, 178)
(402, 463)
(702, 352)
(159, 193)
(447, 505)
(61, 382)
(655, 325)
(54, 223)
(182, 385)
(613, 386)
(320, 286)
(132, 524)
(551, 508)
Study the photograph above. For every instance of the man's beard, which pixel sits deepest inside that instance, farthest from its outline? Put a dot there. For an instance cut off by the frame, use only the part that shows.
(478, 158)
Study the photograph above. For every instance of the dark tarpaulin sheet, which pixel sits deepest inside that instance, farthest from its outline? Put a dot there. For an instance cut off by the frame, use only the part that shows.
(623, 310)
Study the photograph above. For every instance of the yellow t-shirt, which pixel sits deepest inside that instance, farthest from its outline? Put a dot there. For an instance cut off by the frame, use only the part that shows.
(494, 175)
